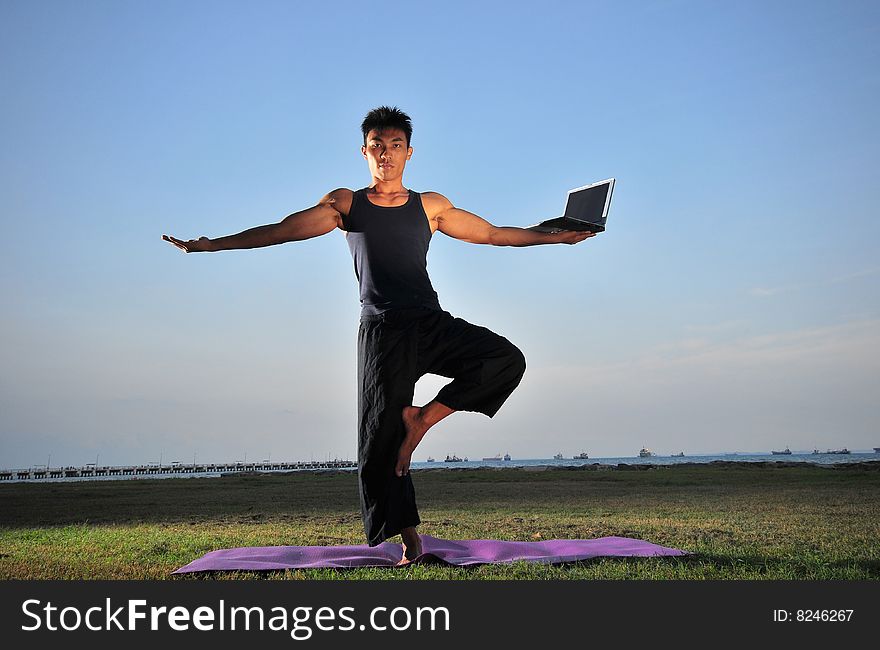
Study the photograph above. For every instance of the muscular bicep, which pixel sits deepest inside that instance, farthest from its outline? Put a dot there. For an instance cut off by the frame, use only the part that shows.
(464, 225)
(312, 222)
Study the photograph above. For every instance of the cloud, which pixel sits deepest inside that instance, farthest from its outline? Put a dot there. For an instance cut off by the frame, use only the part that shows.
(851, 343)
(763, 292)
(802, 388)
(723, 326)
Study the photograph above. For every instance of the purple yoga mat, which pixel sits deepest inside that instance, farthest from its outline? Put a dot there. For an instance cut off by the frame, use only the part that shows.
(454, 552)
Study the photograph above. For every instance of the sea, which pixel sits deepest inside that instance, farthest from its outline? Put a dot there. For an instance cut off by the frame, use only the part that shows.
(794, 457)
(805, 457)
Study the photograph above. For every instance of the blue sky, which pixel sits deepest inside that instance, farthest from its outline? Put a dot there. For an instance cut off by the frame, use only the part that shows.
(731, 305)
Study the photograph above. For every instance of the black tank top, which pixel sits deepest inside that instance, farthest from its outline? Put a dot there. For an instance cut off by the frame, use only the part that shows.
(389, 246)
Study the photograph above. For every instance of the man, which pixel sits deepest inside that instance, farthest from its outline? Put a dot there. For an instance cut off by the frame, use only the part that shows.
(403, 332)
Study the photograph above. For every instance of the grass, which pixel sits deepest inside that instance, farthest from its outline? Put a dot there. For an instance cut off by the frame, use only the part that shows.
(742, 521)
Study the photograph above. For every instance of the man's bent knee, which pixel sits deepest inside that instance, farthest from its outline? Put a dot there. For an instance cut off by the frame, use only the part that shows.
(518, 361)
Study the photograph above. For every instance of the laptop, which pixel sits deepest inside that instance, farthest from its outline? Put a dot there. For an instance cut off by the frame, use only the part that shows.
(586, 209)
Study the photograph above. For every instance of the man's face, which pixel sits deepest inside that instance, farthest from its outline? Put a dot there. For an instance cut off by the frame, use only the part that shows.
(386, 153)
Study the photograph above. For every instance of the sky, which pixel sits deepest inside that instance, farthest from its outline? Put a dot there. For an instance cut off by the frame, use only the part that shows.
(731, 305)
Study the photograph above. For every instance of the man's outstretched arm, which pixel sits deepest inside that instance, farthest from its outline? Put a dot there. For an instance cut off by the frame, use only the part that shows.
(471, 228)
(312, 222)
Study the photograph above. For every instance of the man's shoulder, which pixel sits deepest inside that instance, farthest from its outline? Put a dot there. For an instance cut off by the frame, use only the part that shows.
(339, 199)
(340, 193)
(434, 196)
(435, 203)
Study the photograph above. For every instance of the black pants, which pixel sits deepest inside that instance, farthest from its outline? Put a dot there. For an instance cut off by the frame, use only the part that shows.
(394, 350)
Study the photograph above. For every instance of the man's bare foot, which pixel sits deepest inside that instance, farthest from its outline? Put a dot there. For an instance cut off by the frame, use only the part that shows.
(417, 421)
(415, 431)
(412, 546)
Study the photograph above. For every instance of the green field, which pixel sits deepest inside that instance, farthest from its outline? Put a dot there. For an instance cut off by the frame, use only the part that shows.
(741, 521)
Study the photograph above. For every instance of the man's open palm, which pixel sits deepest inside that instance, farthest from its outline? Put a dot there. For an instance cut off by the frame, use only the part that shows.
(199, 245)
(574, 236)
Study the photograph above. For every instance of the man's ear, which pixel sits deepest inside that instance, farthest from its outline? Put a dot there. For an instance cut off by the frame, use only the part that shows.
(363, 151)
(409, 153)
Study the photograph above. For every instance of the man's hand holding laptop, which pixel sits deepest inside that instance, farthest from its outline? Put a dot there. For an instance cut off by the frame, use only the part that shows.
(572, 236)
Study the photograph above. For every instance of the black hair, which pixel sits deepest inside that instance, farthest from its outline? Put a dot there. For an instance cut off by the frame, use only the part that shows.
(386, 117)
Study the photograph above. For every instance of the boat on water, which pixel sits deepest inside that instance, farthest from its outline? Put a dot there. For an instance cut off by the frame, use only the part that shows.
(678, 455)
(495, 457)
(558, 457)
(784, 452)
(877, 450)
(452, 459)
(506, 456)
(581, 456)
(838, 451)
(430, 459)
(644, 452)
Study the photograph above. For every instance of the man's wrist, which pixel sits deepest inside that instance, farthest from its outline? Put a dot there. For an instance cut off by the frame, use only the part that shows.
(532, 237)
(550, 237)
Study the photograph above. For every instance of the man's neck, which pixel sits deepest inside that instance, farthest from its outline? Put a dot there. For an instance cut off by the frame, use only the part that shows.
(387, 188)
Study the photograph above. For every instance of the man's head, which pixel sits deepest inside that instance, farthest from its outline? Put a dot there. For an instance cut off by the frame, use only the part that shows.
(387, 133)
(386, 117)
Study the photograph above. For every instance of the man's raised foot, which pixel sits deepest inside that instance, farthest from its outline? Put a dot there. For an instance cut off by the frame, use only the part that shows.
(417, 421)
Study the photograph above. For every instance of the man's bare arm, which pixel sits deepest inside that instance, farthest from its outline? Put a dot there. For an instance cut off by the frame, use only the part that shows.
(305, 224)
(471, 228)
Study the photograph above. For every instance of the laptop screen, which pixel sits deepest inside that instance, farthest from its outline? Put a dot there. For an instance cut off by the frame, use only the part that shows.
(588, 204)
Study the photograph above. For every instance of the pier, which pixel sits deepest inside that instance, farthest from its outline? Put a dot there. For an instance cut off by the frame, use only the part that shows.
(134, 471)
